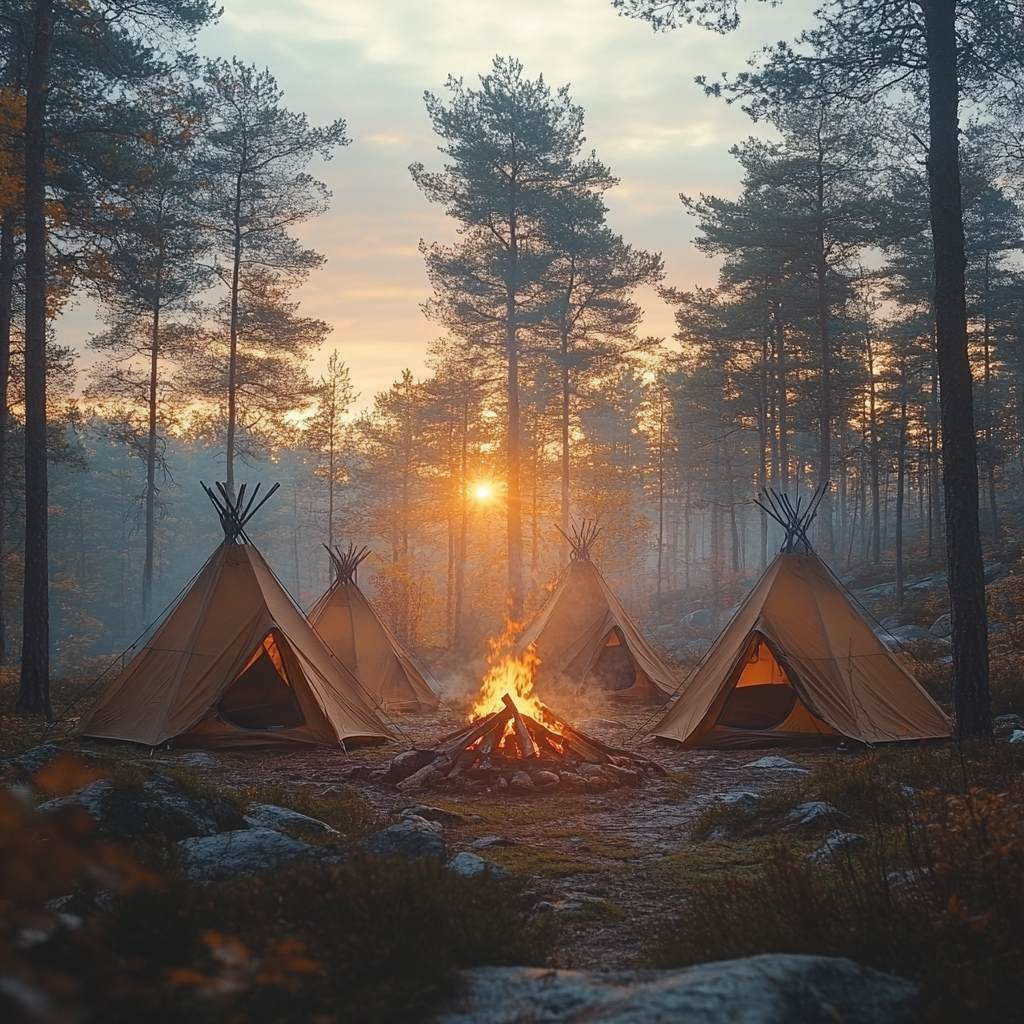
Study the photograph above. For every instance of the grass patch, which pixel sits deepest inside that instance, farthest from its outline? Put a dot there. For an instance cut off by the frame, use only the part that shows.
(529, 860)
(352, 815)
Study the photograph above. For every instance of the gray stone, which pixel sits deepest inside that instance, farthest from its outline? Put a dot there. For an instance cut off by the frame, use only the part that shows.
(469, 865)
(739, 798)
(771, 989)
(1017, 736)
(942, 627)
(433, 814)
(815, 814)
(408, 763)
(237, 853)
(774, 763)
(413, 838)
(29, 762)
(520, 783)
(893, 621)
(836, 844)
(487, 842)
(545, 780)
(278, 818)
(572, 780)
(164, 808)
(702, 619)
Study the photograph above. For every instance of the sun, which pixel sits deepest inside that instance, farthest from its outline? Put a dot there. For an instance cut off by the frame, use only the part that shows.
(483, 492)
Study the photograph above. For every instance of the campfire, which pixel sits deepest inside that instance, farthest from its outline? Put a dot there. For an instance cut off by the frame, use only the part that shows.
(514, 742)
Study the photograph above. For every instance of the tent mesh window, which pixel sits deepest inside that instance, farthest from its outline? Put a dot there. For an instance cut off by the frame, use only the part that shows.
(613, 669)
(762, 697)
(260, 698)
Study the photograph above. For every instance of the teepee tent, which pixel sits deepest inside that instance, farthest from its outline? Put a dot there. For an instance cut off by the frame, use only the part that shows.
(234, 664)
(585, 639)
(798, 664)
(359, 639)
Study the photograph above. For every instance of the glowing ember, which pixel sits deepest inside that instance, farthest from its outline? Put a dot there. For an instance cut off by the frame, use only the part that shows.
(513, 675)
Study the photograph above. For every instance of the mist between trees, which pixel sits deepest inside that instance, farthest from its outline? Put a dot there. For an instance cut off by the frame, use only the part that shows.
(813, 359)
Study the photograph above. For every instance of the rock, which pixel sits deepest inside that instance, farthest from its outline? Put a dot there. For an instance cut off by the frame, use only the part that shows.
(589, 771)
(283, 818)
(501, 785)
(894, 621)
(408, 763)
(29, 762)
(487, 842)
(700, 620)
(942, 627)
(357, 772)
(572, 780)
(238, 853)
(1017, 736)
(775, 764)
(469, 865)
(836, 844)
(739, 798)
(815, 814)
(996, 572)
(164, 808)
(195, 759)
(910, 633)
(520, 783)
(772, 989)
(545, 780)
(995, 627)
(414, 839)
(432, 814)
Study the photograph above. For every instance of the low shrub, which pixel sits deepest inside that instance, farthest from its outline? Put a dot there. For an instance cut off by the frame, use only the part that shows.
(352, 815)
(938, 897)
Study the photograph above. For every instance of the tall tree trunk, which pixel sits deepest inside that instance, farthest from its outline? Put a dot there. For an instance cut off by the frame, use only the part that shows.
(825, 412)
(566, 394)
(460, 565)
(661, 487)
(236, 269)
(6, 309)
(959, 444)
(154, 363)
(990, 454)
(874, 455)
(783, 400)
(901, 474)
(34, 691)
(515, 520)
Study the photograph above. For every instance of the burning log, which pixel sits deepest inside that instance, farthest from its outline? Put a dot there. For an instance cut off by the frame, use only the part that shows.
(507, 742)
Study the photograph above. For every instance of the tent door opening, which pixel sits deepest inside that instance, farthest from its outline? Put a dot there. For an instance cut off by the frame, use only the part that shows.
(762, 697)
(261, 698)
(613, 668)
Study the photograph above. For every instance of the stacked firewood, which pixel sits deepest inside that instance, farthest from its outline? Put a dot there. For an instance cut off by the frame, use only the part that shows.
(507, 751)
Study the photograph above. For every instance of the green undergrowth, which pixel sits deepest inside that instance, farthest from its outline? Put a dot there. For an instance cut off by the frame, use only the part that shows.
(937, 896)
(525, 860)
(365, 941)
(352, 815)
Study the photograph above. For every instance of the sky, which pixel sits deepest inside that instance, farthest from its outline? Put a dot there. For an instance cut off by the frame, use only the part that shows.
(370, 61)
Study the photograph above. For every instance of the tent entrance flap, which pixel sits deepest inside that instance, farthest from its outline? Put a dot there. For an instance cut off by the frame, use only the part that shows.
(261, 698)
(763, 697)
(613, 668)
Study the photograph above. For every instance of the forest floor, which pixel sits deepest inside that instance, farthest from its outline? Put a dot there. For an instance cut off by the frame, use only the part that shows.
(610, 864)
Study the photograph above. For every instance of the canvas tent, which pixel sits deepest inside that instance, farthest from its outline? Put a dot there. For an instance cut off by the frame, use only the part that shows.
(355, 633)
(235, 664)
(799, 664)
(586, 640)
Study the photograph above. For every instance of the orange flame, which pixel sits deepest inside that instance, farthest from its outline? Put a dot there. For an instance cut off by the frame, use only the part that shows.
(513, 674)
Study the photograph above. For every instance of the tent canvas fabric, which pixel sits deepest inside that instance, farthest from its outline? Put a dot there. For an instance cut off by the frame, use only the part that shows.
(798, 663)
(349, 625)
(585, 638)
(235, 664)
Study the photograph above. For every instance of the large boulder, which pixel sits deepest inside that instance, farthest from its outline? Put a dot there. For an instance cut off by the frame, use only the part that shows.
(814, 814)
(772, 989)
(774, 763)
(413, 838)
(241, 852)
(469, 865)
(942, 627)
(837, 844)
(747, 802)
(284, 819)
(160, 807)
